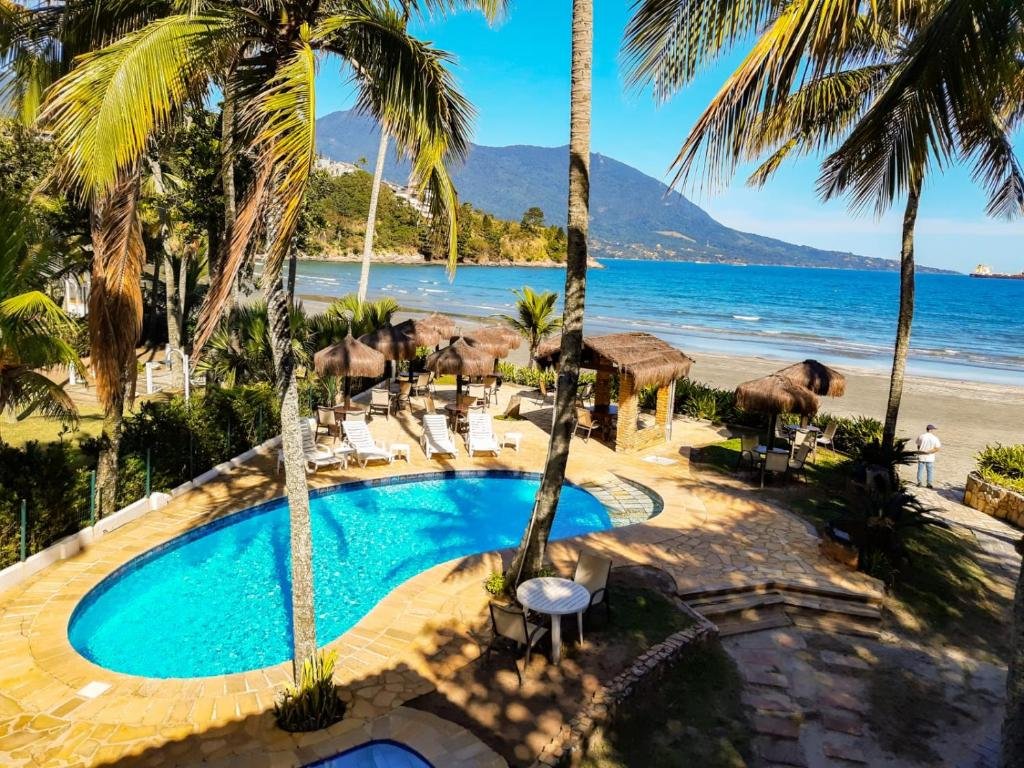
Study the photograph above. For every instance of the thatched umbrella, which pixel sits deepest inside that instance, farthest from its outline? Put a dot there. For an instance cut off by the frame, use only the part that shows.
(461, 359)
(817, 377)
(349, 357)
(490, 339)
(775, 394)
(391, 342)
(423, 333)
(440, 323)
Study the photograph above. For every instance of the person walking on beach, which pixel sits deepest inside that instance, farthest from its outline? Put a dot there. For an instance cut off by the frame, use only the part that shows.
(928, 444)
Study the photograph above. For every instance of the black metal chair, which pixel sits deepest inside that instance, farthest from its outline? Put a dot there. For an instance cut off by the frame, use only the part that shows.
(510, 628)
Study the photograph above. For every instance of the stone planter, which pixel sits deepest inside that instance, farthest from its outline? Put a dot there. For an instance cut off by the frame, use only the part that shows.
(994, 500)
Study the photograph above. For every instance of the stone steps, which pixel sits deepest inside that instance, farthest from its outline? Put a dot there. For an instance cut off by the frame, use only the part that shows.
(756, 607)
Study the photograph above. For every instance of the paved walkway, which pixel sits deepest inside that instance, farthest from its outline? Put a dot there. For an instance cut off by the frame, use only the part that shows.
(810, 696)
(56, 708)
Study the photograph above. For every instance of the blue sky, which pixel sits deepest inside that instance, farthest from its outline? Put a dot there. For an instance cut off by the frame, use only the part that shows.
(517, 76)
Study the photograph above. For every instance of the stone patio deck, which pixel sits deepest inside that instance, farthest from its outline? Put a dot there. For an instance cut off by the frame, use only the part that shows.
(703, 537)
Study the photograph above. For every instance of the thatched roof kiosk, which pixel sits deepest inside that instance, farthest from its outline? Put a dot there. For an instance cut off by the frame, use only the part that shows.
(349, 357)
(461, 359)
(775, 394)
(817, 377)
(638, 360)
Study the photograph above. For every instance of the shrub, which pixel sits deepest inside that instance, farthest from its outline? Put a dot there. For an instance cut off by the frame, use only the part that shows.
(314, 703)
(496, 583)
(55, 489)
(1003, 465)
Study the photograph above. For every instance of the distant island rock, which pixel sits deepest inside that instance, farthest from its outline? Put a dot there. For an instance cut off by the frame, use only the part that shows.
(633, 216)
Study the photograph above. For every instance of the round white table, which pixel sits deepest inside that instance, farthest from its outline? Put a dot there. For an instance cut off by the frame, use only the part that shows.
(555, 597)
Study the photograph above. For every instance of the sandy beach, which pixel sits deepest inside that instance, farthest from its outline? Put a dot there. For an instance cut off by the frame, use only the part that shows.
(970, 415)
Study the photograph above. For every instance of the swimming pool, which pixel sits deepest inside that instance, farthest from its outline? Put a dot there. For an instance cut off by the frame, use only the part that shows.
(375, 754)
(217, 599)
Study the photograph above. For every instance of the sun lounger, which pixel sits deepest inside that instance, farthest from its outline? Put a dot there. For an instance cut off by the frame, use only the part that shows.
(436, 437)
(315, 455)
(357, 433)
(480, 436)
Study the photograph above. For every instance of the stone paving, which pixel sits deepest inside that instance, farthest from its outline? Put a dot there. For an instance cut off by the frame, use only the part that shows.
(997, 539)
(809, 699)
(51, 713)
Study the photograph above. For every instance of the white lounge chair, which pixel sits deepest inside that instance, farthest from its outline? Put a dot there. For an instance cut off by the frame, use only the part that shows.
(480, 435)
(436, 437)
(316, 455)
(357, 433)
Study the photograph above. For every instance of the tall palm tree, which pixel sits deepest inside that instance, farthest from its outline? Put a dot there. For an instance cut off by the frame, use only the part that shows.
(535, 318)
(491, 9)
(103, 113)
(35, 332)
(530, 555)
(929, 107)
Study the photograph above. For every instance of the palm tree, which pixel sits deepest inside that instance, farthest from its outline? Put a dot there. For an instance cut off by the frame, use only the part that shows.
(104, 112)
(35, 332)
(491, 9)
(535, 319)
(530, 556)
(923, 108)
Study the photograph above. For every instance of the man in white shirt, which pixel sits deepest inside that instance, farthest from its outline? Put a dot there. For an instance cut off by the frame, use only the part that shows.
(928, 444)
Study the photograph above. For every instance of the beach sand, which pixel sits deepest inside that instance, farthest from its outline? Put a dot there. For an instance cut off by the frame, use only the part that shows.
(969, 415)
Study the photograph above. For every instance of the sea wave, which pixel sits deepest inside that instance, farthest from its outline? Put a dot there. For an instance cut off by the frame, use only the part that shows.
(749, 318)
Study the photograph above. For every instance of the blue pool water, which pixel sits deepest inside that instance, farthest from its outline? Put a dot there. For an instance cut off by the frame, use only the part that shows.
(217, 600)
(376, 754)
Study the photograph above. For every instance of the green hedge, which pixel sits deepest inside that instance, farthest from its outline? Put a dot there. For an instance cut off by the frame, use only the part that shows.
(853, 433)
(1003, 465)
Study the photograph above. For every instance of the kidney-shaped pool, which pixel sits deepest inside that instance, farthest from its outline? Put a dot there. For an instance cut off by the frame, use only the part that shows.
(217, 599)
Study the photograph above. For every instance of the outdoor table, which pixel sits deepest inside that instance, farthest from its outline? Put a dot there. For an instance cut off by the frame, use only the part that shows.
(798, 428)
(454, 411)
(761, 450)
(556, 598)
(345, 410)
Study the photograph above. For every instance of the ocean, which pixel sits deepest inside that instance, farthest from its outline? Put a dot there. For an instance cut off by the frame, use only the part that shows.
(964, 328)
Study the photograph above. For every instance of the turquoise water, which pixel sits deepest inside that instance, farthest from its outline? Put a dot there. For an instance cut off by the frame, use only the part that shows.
(376, 754)
(963, 327)
(217, 600)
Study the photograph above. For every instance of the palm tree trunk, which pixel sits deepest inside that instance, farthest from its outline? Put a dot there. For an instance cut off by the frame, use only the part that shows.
(530, 556)
(293, 266)
(371, 218)
(1013, 724)
(108, 460)
(906, 316)
(303, 613)
(171, 288)
(227, 170)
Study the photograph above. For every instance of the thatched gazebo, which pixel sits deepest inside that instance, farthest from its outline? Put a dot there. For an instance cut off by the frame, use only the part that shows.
(817, 377)
(494, 339)
(391, 342)
(442, 324)
(422, 333)
(775, 394)
(460, 359)
(638, 360)
(349, 357)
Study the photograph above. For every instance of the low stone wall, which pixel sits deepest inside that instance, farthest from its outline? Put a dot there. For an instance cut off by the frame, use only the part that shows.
(994, 500)
(569, 746)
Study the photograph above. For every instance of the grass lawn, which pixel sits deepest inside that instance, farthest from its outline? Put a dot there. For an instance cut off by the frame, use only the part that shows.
(46, 430)
(941, 595)
(693, 718)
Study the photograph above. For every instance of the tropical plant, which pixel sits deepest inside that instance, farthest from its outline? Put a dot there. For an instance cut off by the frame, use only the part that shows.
(104, 113)
(1003, 465)
(363, 316)
(529, 556)
(535, 317)
(496, 583)
(35, 333)
(853, 433)
(313, 702)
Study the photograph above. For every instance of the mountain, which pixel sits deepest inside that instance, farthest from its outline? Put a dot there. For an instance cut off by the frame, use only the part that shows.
(632, 215)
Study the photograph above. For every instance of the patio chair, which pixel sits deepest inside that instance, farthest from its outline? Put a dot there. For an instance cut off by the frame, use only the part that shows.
(480, 436)
(327, 420)
(477, 392)
(423, 385)
(827, 437)
(510, 628)
(357, 433)
(800, 438)
(747, 445)
(436, 437)
(592, 572)
(491, 389)
(798, 461)
(315, 456)
(355, 416)
(541, 394)
(777, 463)
(428, 404)
(403, 400)
(585, 423)
(380, 402)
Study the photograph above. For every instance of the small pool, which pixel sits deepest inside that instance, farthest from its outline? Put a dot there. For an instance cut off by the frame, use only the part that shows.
(217, 600)
(375, 754)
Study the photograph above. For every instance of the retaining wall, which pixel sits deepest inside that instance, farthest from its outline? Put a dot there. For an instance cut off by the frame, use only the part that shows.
(994, 500)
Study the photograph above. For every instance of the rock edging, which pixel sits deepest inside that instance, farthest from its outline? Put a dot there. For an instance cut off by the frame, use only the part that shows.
(569, 745)
(995, 500)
